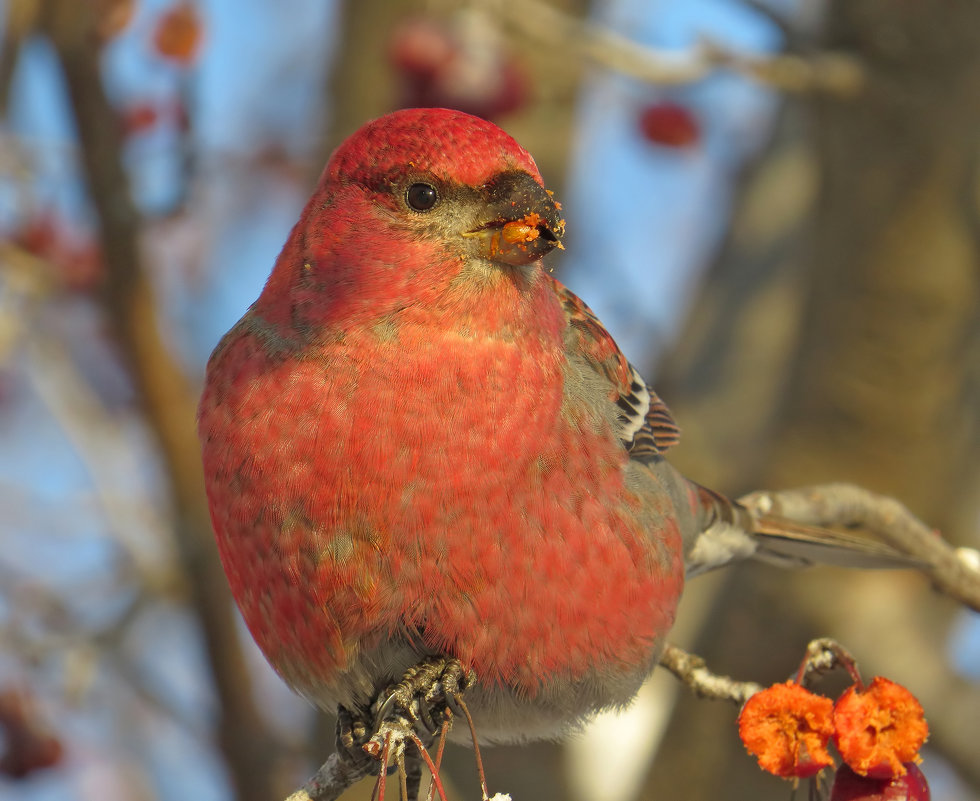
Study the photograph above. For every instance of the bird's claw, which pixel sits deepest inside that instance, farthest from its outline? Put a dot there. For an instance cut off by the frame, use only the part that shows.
(352, 737)
(434, 685)
(373, 739)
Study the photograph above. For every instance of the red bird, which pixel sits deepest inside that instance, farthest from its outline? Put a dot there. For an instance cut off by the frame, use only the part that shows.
(419, 444)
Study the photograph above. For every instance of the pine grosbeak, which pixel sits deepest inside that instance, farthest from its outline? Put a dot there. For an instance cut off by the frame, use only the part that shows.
(418, 443)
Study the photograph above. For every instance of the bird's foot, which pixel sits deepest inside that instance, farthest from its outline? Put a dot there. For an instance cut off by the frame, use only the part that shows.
(423, 696)
(353, 733)
(374, 740)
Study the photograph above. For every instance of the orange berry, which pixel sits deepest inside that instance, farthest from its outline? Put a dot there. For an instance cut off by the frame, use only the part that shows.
(179, 33)
(787, 729)
(880, 728)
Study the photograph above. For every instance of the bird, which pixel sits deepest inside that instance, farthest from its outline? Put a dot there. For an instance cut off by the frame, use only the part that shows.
(419, 445)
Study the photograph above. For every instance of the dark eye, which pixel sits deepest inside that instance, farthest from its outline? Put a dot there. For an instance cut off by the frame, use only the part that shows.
(421, 197)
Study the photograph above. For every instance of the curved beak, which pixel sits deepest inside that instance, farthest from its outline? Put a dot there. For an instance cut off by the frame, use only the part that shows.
(521, 220)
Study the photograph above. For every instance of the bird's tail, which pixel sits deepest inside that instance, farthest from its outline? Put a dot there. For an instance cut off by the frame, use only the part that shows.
(731, 532)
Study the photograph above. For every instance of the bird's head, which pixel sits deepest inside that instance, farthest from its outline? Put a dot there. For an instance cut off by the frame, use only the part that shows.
(412, 207)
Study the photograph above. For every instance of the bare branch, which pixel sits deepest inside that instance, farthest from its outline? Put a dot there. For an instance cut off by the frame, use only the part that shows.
(333, 778)
(693, 672)
(168, 401)
(88, 427)
(824, 655)
(952, 571)
(830, 73)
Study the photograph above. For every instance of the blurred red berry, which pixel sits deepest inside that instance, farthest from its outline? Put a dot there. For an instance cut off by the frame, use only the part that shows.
(851, 786)
(421, 48)
(83, 267)
(179, 32)
(880, 728)
(139, 118)
(75, 257)
(28, 744)
(143, 116)
(669, 125)
(445, 65)
(38, 235)
(787, 729)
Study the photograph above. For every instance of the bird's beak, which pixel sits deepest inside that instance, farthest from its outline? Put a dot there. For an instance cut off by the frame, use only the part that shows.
(519, 222)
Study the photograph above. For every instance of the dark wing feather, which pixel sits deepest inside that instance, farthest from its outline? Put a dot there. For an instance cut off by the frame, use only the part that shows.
(646, 426)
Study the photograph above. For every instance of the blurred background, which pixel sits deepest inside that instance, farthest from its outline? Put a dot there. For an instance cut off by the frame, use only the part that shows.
(772, 204)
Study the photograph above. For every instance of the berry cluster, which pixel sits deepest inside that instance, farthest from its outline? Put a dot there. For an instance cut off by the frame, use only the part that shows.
(877, 729)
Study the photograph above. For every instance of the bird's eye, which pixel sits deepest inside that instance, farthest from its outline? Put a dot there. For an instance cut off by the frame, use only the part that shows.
(421, 197)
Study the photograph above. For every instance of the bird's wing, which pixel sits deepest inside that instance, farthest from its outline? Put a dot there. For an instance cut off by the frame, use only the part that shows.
(732, 532)
(727, 530)
(646, 427)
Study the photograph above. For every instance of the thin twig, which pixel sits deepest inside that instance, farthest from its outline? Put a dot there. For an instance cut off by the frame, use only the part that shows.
(443, 736)
(379, 786)
(822, 656)
(693, 672)
(332, 779)
(950, 570)
(830, 73)
(432, 766)
(484, 794)
(91, 432)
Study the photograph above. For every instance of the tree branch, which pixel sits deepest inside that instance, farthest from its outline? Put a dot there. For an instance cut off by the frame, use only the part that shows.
(168, 401)
(331, 780)
(953, 571)
(830, 73)
(694, 673)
